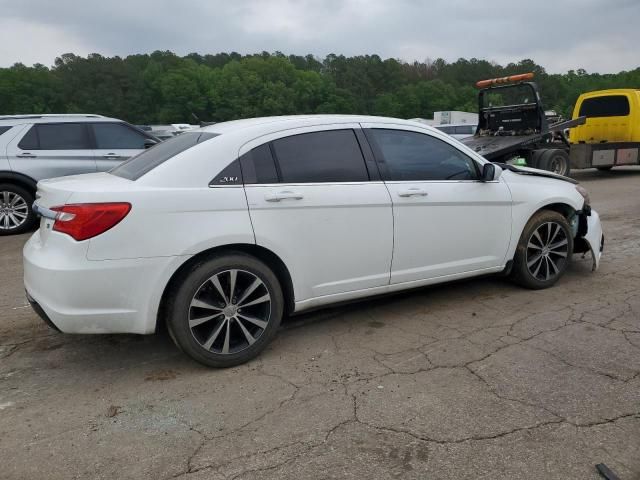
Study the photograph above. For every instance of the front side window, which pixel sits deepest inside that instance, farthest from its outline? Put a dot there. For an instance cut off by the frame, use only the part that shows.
(411, 156)
(327, 156)
(114, 136)
(607, 106)
(149, 159)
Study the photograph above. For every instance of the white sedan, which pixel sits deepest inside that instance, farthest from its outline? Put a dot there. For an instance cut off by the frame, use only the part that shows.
(222, 231)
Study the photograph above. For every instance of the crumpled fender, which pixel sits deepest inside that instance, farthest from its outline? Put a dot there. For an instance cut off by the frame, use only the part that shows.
(594, 238)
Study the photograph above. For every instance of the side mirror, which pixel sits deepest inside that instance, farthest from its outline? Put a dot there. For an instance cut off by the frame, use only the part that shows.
(490, 172)
(149, 142)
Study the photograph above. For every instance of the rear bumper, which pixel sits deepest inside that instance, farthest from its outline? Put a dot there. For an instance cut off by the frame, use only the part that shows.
(77, 295)
(41, 313)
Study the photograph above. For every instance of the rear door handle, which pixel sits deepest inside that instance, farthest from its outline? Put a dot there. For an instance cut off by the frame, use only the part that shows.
(413, 192)
(26, 155)
(112, 155)
(284, 195)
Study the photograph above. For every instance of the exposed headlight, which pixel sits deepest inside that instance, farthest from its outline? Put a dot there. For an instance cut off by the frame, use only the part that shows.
(583, 191)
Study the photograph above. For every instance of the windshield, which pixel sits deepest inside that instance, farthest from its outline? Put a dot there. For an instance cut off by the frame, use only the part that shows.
(511, 95)
(149, 159)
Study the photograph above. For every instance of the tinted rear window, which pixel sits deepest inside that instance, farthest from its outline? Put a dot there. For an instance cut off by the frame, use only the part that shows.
(258, 166)
(30, 140)
(56, 136)
(609, 106)
(4, 129)
(328, 156)
(146, 161)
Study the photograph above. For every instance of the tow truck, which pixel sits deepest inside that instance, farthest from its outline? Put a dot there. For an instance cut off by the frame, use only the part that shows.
(513, 128)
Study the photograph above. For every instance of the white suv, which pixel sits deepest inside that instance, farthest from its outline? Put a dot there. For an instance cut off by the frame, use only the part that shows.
(221, 231)
(35, 147)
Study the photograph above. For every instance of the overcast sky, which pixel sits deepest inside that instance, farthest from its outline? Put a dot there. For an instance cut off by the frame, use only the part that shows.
(597, 35)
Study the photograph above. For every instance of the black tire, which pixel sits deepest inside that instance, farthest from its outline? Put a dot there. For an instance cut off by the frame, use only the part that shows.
(605, 169)
(196, 285)
(536, 155)
(10, 190)
(527, 271)
(556, 161)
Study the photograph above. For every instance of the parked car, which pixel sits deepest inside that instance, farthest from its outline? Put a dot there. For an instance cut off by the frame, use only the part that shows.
(220, 232)
(459, 130)
(35, 147)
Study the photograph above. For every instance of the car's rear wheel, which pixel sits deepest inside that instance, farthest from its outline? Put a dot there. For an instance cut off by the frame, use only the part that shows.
(544, 251)
(224, 311)
(16, 215)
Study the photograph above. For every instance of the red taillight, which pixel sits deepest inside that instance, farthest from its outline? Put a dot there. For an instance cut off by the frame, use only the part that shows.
(86, 220)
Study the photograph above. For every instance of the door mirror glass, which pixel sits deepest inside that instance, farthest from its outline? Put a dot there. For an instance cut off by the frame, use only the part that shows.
(490, 172)
(149, 142)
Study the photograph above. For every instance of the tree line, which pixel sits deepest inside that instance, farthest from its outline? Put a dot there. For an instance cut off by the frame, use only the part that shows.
(163, 87)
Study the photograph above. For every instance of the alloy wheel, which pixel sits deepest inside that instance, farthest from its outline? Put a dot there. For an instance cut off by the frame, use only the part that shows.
(229, 311)
(14, 210)
(547, 251)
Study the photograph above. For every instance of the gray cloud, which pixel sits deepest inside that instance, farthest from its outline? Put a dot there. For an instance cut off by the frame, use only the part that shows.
(597, 35)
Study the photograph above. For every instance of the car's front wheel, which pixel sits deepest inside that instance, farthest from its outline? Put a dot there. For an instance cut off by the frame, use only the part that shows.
(16, 214)
(544, 251)
(224, 311)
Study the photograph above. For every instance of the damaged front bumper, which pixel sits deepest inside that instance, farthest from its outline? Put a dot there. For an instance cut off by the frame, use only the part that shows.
(589, 237)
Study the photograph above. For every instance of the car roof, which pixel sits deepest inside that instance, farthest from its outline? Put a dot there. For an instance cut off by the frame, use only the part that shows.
(273, 124)
(6, 120)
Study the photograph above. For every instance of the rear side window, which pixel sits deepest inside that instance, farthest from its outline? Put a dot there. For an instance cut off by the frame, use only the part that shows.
(56, 136)
(258, 166)
(4, 129)
(30, 140)
(413, 156)
(608, 106)
(327, 156)
(146, 161)
(114, 136)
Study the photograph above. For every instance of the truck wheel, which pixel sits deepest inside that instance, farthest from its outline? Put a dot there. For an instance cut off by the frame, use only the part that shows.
(535, 158)
(556, 161)
(16, 215)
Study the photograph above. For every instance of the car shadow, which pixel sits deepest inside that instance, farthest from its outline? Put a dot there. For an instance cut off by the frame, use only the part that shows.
(100, 354)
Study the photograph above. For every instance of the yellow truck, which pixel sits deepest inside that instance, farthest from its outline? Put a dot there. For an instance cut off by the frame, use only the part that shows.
(610, 136)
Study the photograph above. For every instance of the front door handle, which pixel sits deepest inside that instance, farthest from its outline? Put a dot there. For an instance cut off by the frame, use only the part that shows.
(112, 156)
(413, 192)
(283, 195)
(26, 155)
